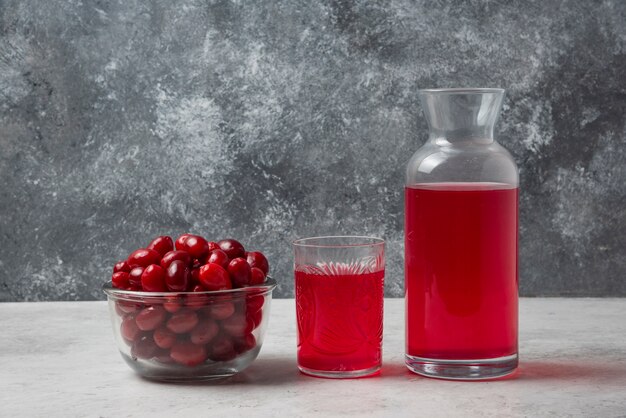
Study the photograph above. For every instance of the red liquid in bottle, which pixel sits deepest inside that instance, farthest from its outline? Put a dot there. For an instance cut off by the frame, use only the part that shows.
(340, 319)
(461, 270)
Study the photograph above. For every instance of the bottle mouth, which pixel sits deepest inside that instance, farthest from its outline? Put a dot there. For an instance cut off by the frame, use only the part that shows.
(462, 90)
(461, 114)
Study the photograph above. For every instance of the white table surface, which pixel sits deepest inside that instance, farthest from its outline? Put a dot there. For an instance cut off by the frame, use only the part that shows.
(59, 359)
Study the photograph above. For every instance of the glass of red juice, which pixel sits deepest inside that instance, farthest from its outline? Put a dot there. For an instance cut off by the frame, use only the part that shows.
(339, 305)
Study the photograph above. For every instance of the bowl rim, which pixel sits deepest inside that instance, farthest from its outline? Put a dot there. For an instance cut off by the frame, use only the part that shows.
(260, 289)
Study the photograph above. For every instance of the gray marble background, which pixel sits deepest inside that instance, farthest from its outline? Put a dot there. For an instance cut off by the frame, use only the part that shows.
(267, 120)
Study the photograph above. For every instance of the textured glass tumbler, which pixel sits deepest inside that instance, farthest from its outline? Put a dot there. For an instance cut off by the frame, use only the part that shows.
(461, 224)
(339, 305)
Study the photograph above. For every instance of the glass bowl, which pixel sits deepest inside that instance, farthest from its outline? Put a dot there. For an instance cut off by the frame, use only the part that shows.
(189, 336)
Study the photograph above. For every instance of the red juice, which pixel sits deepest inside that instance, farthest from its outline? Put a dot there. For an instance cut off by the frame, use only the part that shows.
(461, 270)
(340, 321)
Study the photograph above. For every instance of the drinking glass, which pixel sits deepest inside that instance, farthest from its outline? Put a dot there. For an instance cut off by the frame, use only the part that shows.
(339, 305)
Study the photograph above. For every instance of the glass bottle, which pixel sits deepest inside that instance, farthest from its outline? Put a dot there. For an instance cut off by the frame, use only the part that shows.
(461, 222)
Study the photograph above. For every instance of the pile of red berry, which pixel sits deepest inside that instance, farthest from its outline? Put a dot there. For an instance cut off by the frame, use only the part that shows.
(195, 265)
(189, 332)
(189, 329)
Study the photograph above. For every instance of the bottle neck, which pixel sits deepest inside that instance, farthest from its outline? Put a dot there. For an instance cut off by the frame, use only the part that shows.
(461, 137)
(461, 116)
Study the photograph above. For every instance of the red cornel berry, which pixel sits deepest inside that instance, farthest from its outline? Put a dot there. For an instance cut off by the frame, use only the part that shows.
(182, 321)
(254, 303)
(143, 257)
(120, 280)
(180, 241)
(129, 329)
(150, 318)
(245, 343)
(173, 256)
(239, 271)
(134, 277)
(232, 248)
(177, 276)
(188, 353)
(121, 266)
(204, 332)
(196, 246)
(153, 279)
(164, 338)
(222, 349)
(238, 325)
(218, 257)
(213, 246)
(195, 280)
(161, 245)
(256, 276)
(220, 309)
(258, 260)
(143, 347)
(214, 277)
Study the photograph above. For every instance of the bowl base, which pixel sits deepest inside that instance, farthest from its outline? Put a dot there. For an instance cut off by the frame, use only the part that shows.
(169, 379)
(176, 373)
